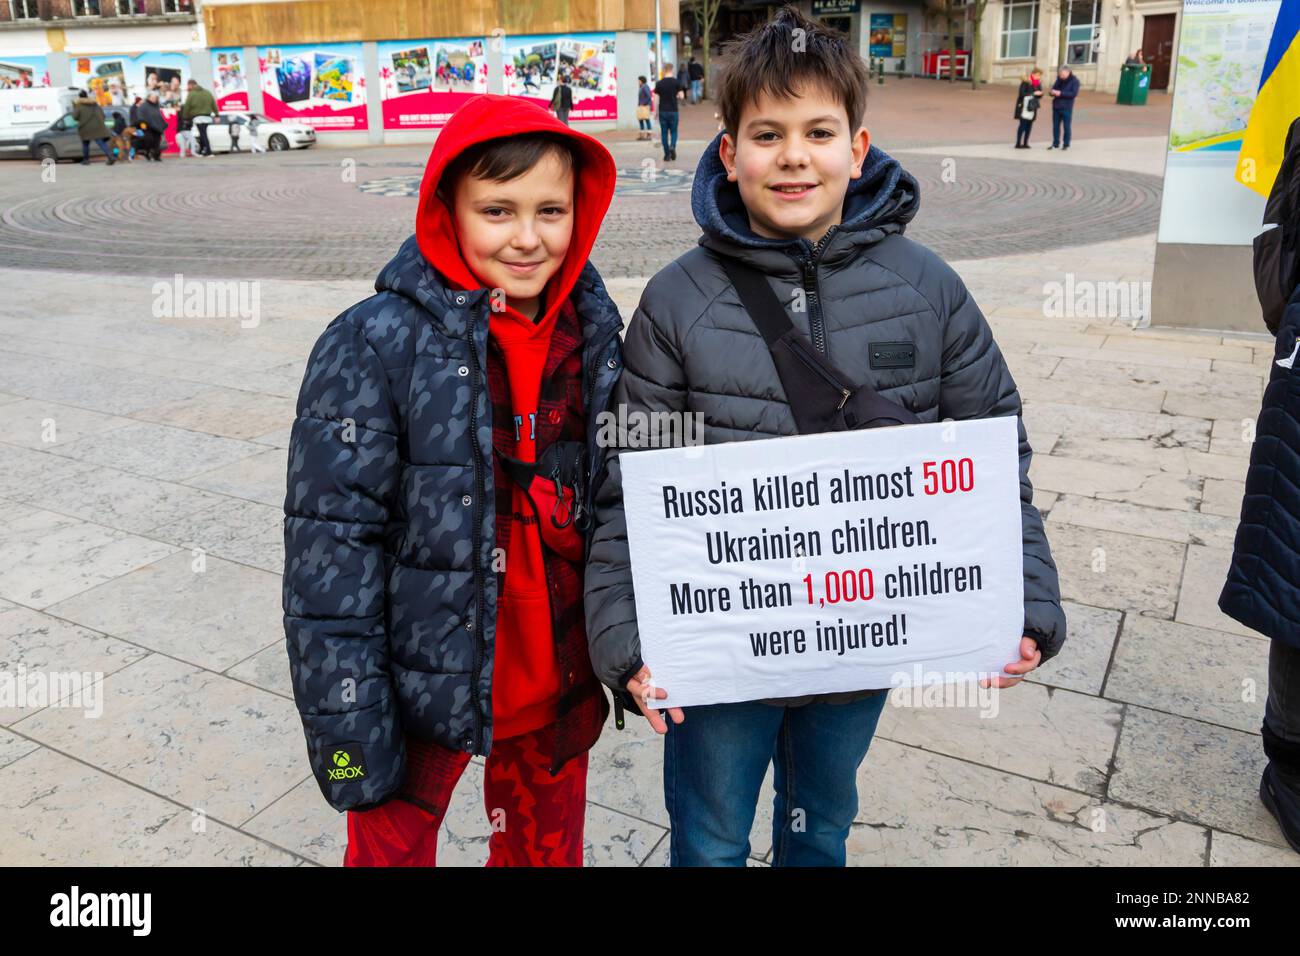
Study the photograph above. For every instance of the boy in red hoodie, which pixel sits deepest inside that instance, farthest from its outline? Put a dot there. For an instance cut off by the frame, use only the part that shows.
(441, 472)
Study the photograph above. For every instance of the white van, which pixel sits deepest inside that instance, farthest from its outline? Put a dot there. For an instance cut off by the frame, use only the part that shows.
(24, 112)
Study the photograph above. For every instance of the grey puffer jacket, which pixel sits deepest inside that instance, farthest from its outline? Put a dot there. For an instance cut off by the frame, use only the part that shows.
(691, 347)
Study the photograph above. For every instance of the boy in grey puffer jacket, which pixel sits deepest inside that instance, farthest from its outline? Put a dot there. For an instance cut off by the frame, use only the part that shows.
(794, 190)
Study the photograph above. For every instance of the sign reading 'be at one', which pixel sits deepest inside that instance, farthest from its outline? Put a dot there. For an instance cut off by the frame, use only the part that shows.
(823, 563)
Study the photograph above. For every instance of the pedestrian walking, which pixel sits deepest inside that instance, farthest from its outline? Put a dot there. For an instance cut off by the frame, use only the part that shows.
(199, 109)
(667, 92)
(89, 117)
(254, 121)
(644, 100)
(562, 101)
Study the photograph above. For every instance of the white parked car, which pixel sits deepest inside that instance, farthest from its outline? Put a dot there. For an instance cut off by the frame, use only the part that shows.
(272, 134)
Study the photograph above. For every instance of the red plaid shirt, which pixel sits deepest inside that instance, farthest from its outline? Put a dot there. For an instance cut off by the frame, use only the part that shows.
(582, 706)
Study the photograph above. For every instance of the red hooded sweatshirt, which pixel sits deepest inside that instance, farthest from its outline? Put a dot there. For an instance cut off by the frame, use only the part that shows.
(525, 676)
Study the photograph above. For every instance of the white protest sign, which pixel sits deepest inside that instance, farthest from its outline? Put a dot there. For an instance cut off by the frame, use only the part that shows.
(831, 562)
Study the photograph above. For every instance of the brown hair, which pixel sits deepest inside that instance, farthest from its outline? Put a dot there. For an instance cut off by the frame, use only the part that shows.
(774, 59)
(504, 159)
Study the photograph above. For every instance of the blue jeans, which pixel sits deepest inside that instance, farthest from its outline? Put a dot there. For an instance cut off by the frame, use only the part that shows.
(697, 90)
(1061, 118)
(714, 764)
(668, 123)
(85, 149)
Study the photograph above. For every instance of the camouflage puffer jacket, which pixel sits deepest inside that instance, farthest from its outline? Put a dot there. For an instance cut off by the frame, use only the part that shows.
(389, 595)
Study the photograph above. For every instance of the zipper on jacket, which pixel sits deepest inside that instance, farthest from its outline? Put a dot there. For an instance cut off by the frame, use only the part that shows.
(816, 324)
(480, 492)
(598, 350)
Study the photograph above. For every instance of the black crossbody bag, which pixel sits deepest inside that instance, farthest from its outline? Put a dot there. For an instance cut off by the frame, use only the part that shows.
(820, 396)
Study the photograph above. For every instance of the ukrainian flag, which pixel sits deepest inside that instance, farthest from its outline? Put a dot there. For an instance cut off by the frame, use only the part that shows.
(1276, 105)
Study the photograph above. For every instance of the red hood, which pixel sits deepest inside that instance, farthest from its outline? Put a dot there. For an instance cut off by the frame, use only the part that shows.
(489, 116)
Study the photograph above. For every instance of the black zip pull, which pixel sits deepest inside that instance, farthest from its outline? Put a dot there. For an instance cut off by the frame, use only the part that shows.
(618, 711)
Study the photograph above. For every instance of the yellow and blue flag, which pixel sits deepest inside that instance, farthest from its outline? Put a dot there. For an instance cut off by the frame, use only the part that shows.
(1276, 105)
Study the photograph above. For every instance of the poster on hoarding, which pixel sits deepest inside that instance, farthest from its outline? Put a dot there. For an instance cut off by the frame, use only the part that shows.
(424, 81)
(23, 72)
(535, 65)
(115, 79)
(317, 85)
(888, 34)
(229, 80)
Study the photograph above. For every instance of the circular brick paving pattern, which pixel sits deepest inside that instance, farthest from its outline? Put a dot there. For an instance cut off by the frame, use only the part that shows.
(311, 215)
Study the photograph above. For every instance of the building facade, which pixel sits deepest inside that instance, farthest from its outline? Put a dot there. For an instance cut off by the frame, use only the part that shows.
(910, 37)
(374, 71)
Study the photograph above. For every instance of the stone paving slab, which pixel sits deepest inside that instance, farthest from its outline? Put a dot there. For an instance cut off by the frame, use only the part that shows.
(187, 734)
(922, 809)
(1226, 684)
(1193, 771)
(56, 811)
(202, 610)
(34, 642)
(1053, 735)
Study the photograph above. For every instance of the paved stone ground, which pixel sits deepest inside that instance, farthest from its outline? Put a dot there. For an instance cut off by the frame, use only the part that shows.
(324, 213)
(1137, 746)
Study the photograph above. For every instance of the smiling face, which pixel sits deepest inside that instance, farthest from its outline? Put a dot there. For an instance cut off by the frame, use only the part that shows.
(514, 235)
(792, 159)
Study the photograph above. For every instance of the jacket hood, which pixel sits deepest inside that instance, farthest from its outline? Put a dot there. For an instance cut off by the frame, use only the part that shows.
(883, 199)
(489, 116)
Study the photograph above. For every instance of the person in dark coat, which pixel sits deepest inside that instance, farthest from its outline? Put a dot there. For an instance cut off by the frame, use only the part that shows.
(153, 125)
(562, 101)
(1064, 90)
(695, 69)
(91, 127)
(429, 615)
(1262, 590)
(1027, 102)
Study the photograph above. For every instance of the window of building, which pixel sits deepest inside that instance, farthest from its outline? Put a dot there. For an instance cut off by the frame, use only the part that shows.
(23, 10)
(178, 6)
(85, 8)
(1081, 32)
(1019, 29)
(131, 8)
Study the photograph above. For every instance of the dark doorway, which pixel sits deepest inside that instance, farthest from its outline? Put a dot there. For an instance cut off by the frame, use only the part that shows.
(1158, 47)
(843, 24)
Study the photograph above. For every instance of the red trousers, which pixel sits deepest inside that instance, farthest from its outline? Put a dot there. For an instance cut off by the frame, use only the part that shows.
(536, 819)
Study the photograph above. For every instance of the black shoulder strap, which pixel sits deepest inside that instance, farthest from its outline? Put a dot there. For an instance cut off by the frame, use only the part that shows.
(759, 300)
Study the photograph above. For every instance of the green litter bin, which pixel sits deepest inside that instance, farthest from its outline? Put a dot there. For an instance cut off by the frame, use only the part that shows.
(1134, 81)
